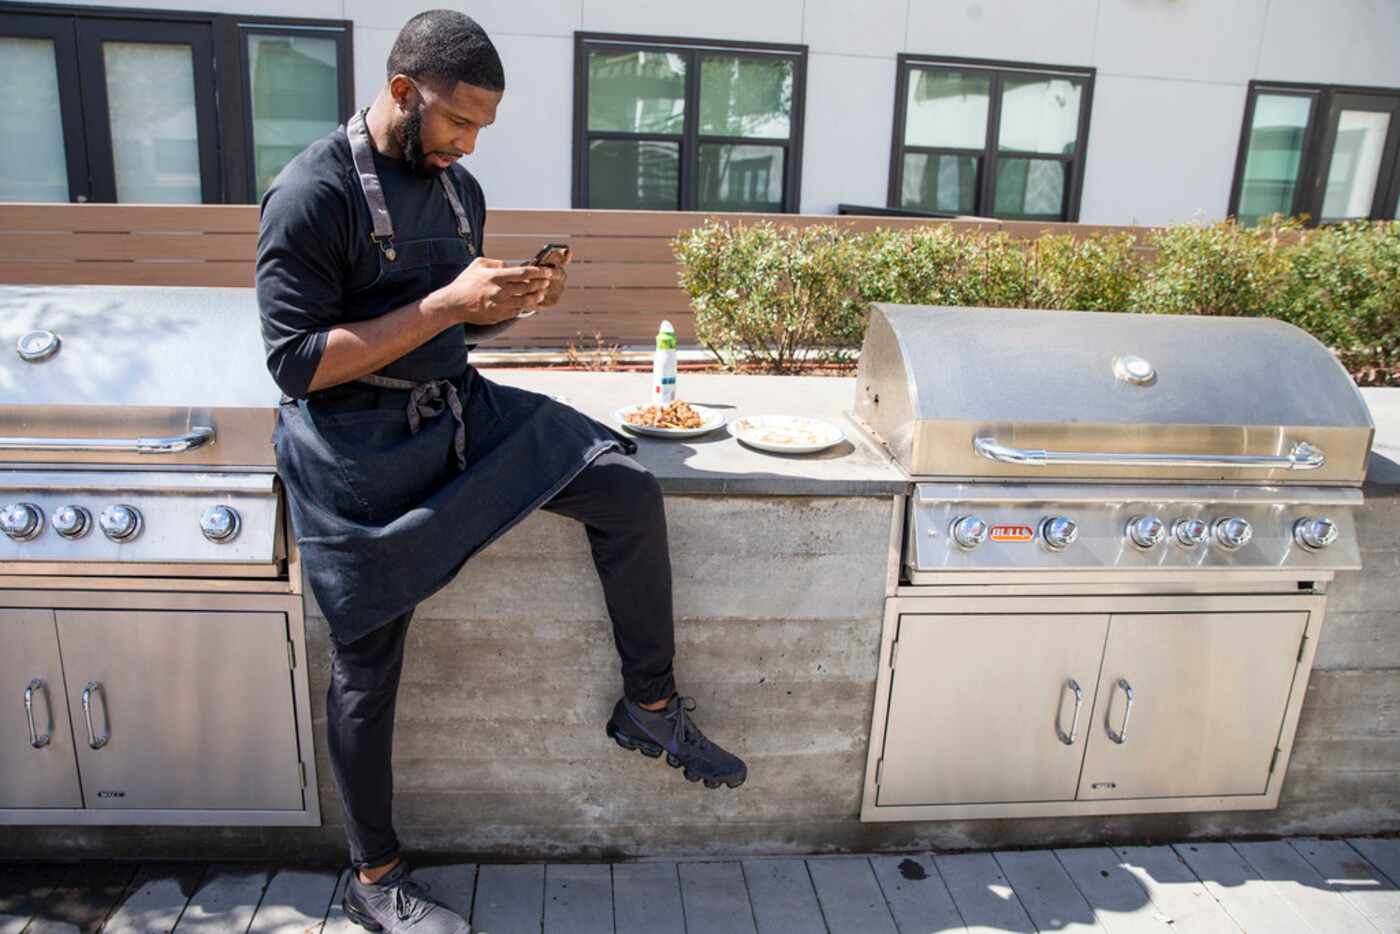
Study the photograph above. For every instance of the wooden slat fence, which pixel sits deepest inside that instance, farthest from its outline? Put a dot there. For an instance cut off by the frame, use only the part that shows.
(622, 281)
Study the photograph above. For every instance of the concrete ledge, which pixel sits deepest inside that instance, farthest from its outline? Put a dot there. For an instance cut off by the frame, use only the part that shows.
(717, 462)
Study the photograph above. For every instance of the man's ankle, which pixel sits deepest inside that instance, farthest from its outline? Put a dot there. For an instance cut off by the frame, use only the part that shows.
(373, 874)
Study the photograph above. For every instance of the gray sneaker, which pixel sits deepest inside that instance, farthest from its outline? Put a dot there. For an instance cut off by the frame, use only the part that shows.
(399, 903)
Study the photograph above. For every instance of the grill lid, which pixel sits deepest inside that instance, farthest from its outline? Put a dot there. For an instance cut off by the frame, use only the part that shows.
(133, 374)
(1009, 393)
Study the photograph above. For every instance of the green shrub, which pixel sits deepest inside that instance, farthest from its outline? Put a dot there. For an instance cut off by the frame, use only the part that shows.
(1345, 290)
(1216, 269)
(764, 293)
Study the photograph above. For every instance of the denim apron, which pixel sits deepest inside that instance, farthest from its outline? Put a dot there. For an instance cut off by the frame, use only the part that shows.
(396, 479)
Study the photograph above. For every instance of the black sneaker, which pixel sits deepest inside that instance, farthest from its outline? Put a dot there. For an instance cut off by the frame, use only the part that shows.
(671, 731)
(398, 903)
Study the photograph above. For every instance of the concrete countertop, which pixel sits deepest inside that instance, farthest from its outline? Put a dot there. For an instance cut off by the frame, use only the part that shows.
(717, 462)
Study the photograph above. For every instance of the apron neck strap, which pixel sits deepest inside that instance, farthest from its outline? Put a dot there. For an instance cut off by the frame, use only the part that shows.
(464, 227)
(362, 151)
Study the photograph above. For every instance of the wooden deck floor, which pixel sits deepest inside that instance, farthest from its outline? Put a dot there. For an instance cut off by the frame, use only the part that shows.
(1280, 886)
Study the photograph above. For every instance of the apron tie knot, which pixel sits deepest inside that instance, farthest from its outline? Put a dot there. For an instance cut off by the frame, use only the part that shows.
(428, 400)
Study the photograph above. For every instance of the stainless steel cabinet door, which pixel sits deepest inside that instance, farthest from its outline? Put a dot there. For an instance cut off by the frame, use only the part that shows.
(37, 764)
(1208, 695)
(982, 708)
(182, 709)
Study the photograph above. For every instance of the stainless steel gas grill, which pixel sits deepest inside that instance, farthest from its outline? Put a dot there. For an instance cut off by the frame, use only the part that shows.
(1115, 556)
(149, 596)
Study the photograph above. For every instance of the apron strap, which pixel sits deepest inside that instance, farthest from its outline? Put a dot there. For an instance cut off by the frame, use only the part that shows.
(363, 153)
(428, 400)
(464, 227)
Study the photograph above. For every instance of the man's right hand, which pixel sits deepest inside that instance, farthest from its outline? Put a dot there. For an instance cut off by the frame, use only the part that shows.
(489, 291)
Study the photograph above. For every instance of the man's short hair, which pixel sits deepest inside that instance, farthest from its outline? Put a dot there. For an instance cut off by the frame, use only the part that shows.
(444, 47)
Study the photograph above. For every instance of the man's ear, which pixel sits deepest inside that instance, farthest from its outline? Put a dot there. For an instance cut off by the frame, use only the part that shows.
(404, 93)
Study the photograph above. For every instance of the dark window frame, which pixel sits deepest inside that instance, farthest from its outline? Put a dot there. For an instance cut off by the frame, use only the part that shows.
(70, 101)
(1310, 189)
(224, 117)
(989, 155)
(233, 37)
(690, 139)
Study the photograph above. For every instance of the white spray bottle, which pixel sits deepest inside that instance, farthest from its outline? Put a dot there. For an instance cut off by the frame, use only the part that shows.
(663, 366)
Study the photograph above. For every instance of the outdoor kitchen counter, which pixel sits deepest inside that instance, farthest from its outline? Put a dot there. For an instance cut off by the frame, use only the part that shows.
(717, 462)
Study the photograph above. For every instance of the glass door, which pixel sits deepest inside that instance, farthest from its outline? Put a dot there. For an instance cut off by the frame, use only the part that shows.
(148, 102)
(1356, 175)
(42, 156)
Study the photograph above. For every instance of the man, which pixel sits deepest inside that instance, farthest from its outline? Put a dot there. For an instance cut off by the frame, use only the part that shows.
(401, 461)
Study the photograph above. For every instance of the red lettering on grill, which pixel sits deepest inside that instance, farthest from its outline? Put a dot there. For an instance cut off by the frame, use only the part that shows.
(1012, 533)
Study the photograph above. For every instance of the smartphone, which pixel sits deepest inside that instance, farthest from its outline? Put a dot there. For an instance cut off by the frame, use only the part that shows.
(551, 254)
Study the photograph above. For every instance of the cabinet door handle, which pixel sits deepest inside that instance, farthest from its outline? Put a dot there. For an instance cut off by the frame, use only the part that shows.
(1122, 735)
(1068, 738)
(95, 741)
(35, 739)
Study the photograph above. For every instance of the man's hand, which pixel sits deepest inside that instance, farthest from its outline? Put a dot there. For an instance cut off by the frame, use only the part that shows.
(488, 291)
(558, 282)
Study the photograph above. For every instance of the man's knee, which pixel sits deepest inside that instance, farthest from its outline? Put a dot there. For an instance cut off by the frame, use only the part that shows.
(634, 490)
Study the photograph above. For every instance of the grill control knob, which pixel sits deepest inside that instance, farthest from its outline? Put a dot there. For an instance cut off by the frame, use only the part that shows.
(1315, 534)
(120, 523)
(1146, 531)
(1232, 532)
(219, 524)
(22, 521)
(72, 521)
(1058, 532)
(1190, 533)
(968, 531)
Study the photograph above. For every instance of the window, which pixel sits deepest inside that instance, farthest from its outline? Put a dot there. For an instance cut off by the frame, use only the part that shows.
(989, 139)
(676, 124)
(151, 106)
(1326, 152)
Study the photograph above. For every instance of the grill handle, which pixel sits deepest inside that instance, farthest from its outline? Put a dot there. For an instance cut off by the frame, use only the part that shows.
(1069, 738)
(1304, 456)
(196, 437)
(36, 739)
(95, 741)
(1121, 736)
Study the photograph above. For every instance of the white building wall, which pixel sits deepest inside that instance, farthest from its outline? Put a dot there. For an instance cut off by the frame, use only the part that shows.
(1168, 102)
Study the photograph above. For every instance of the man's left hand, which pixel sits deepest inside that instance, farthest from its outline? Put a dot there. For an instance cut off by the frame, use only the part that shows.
(557, 282)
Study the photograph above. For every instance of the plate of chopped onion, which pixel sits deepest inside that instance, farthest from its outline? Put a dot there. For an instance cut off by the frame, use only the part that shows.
(676, 420)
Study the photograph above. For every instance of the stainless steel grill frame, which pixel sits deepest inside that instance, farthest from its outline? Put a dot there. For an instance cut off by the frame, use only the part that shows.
(1037, 659)
(162, 668)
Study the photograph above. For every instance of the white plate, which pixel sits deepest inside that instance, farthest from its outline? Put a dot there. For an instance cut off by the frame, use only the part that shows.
(786, 434)
(712, 421)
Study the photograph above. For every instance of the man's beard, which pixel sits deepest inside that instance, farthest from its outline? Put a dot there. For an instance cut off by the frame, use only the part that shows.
(411, 146)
